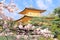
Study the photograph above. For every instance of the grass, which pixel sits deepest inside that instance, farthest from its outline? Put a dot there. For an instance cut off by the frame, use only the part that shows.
(13, 38)
(7, 38)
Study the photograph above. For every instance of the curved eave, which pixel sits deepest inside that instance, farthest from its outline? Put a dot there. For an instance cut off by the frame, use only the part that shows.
(23, 17)
(24, 11)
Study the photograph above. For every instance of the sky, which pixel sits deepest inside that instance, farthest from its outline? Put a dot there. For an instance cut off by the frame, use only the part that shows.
(48, 5)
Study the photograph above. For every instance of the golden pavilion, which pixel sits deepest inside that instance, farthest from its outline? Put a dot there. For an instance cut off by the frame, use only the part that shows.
(29, 13)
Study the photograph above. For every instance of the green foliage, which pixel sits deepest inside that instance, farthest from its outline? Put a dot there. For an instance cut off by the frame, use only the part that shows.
(36, 20)
(57, 11)
(58, 37)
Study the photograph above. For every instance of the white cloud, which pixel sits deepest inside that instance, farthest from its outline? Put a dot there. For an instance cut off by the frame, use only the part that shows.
(49, 1)
(25, 3)
(41, 4)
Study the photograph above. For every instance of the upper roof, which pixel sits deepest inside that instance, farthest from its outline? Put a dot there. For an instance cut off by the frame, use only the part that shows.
(26, 10)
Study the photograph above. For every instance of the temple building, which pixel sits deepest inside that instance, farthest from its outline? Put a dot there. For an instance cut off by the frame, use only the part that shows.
(29, 13)
(32, 12)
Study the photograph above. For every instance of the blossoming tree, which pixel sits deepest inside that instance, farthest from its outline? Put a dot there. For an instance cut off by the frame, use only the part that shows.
(11, 7)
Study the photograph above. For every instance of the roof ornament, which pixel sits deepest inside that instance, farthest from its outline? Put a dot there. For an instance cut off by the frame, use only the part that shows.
(31, 6)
